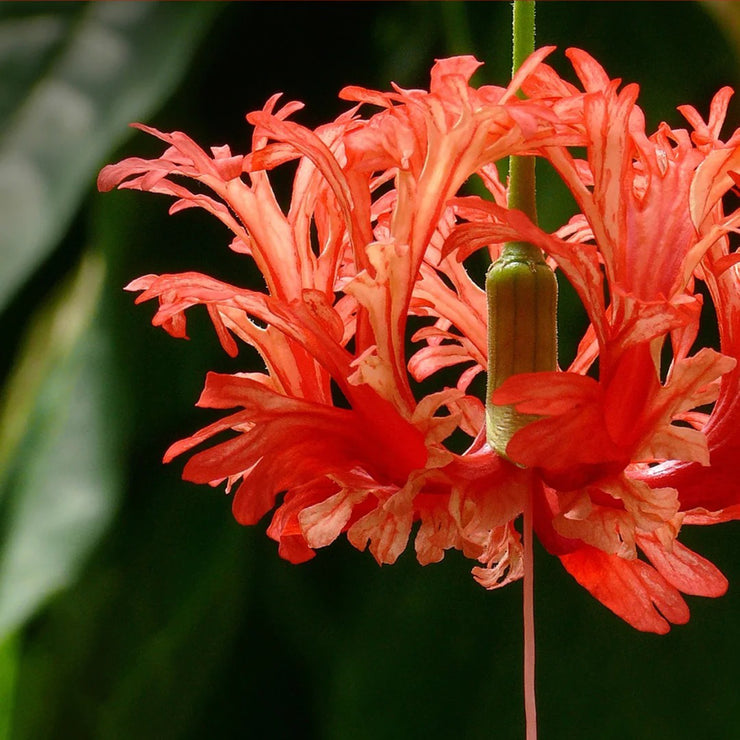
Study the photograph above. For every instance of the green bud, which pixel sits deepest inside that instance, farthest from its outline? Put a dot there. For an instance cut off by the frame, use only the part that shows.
(522, 331)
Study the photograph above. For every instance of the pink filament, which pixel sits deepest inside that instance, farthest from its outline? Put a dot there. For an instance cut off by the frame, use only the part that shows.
(530, 708)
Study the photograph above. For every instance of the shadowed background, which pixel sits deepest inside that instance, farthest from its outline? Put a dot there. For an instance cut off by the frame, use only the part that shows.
(131, 603)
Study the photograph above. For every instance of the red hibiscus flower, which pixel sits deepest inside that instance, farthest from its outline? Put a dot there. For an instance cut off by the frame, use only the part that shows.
(335, 434)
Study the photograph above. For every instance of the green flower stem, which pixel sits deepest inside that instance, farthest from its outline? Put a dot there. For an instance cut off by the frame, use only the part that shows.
(523, 32)
(522, 186)
(521, 169)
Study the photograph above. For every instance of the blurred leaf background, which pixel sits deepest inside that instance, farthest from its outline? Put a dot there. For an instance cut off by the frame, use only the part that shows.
(131, 604)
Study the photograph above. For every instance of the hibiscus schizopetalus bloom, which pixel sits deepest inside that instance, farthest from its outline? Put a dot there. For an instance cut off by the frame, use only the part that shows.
(335, 436)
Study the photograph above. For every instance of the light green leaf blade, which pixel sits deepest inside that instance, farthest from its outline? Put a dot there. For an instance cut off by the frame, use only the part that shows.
(60, 480)
(67, 92)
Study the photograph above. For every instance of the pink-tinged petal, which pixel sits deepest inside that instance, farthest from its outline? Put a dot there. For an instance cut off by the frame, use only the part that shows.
(691, 383)
(310, 322)
(718, 109)
(547, 394)
(608, 152)
(472, 415)
(357, 94)
(611, 513)
(468, 238)
(464, 412)
(386, 529)
(675, 443)
(177, 293)
(503, 558)
(443, 70)
(229, 166)
(234, 421)
(571, 445)
(461, 305)
(629, 380)
(527, 68)
(310, 145)
(291, 545)
(702, 516)
(630, 588)
(224, 337)
(545, 82)
(183, 150)
(113, 175)
(591, 74)
(636, 321)
(479, 515)
(712, 492)
(707, 134)
(651, 509)
(323, 522)
(270, 157)
(639, 197)
(285, 527)
(428, 360)
(712, 489)
(381, 291)
(438, 530)
(290, 443)
(607, 528)
(683, 568)
(276, 466)
(712, 180)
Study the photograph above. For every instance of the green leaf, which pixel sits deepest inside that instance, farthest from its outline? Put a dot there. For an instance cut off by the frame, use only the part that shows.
(9, 654)
(137, 646)
(71, 79)
(60, 479)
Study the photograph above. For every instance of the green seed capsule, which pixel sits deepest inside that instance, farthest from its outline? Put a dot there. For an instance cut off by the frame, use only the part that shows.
(522, 331)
